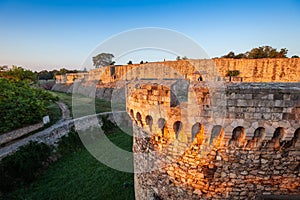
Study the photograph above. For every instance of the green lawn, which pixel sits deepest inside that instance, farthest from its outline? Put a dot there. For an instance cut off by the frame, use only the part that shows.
(86, 105)
(54, 113)
(80, 176)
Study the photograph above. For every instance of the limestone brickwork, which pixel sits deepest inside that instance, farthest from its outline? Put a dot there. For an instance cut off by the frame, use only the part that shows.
(203, 135)
(251, 70)
(215, 172)
(248, 151)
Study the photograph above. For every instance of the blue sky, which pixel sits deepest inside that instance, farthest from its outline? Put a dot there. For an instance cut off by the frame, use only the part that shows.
(50, 34)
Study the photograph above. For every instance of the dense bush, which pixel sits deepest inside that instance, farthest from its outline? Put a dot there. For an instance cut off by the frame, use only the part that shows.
(21, 104)
(69, 143)
(260, 52)
(23, 166)
(108, 126)
(18, 74)
(232, 73)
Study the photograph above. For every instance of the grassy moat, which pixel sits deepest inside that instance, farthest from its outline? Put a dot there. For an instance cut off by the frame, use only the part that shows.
(78, 175)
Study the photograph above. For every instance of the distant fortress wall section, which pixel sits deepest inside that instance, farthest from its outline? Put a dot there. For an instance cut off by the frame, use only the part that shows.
(262, 70)
(251, 70)
(71, 77)
(211, 139)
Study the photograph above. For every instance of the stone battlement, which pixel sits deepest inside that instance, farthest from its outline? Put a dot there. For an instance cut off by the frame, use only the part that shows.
(251, 70)
(202, 171)
(198, 136)
(215, 141)
(249, 150)
(245, 105)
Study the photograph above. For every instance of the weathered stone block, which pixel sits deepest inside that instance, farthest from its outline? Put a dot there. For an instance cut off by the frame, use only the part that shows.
(241, 102)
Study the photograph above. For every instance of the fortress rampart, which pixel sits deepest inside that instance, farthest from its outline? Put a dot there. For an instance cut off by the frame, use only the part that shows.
(251, 150)
(251, 70)
(205, 137)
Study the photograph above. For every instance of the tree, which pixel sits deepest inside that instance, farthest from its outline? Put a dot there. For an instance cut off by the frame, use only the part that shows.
(184, 58)
(21, 104)
(129, 62)
(260, 52)
(267, 52)
(295, 56)
(232, 73)
(19, 74)
(142, 62)
(229, 55)
(3, 68)
(45, 75)
(102, 59)
(178, 58)
(282, 53)
(239, 56)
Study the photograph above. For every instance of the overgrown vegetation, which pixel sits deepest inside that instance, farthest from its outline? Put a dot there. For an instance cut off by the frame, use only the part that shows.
(54, 113)
(103, 59)
(21, 104)
(18, 74)
(49, 75)
(83, 102)
(78, 175)
(260, 52)
(69, 143)
(232, 73)
(23, 166)
(108, 126)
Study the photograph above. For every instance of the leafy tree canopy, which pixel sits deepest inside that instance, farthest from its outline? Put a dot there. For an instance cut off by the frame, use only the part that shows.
(233, 73)
(21, 104)
(260, 52)
(102, 59)
(183, 58)
(18, 74)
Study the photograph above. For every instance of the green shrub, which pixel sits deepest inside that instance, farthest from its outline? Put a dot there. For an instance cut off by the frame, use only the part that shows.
(108, 126)
(69, 143)
(72, 143)
(21, 104)
(233, 73)
(23, 166)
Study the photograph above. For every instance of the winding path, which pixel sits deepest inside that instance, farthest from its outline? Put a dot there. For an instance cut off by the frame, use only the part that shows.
(53, 133)
(65, 112)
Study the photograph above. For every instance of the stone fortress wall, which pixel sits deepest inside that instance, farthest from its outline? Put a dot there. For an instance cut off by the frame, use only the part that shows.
(211, 141)
(252, 151)
(251, 70)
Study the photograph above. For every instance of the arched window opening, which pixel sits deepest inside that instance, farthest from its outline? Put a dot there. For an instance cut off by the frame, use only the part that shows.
(258, 137)
(177, 127)
(196, 129)
(198, 133)
(278, 133)
(161, 123)
(296, 138)
(217, 134)
(295, 142)
(200, 78)
(149, 121)
(238, 137)
(276, 142)
(139, 118)
(131, 114)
